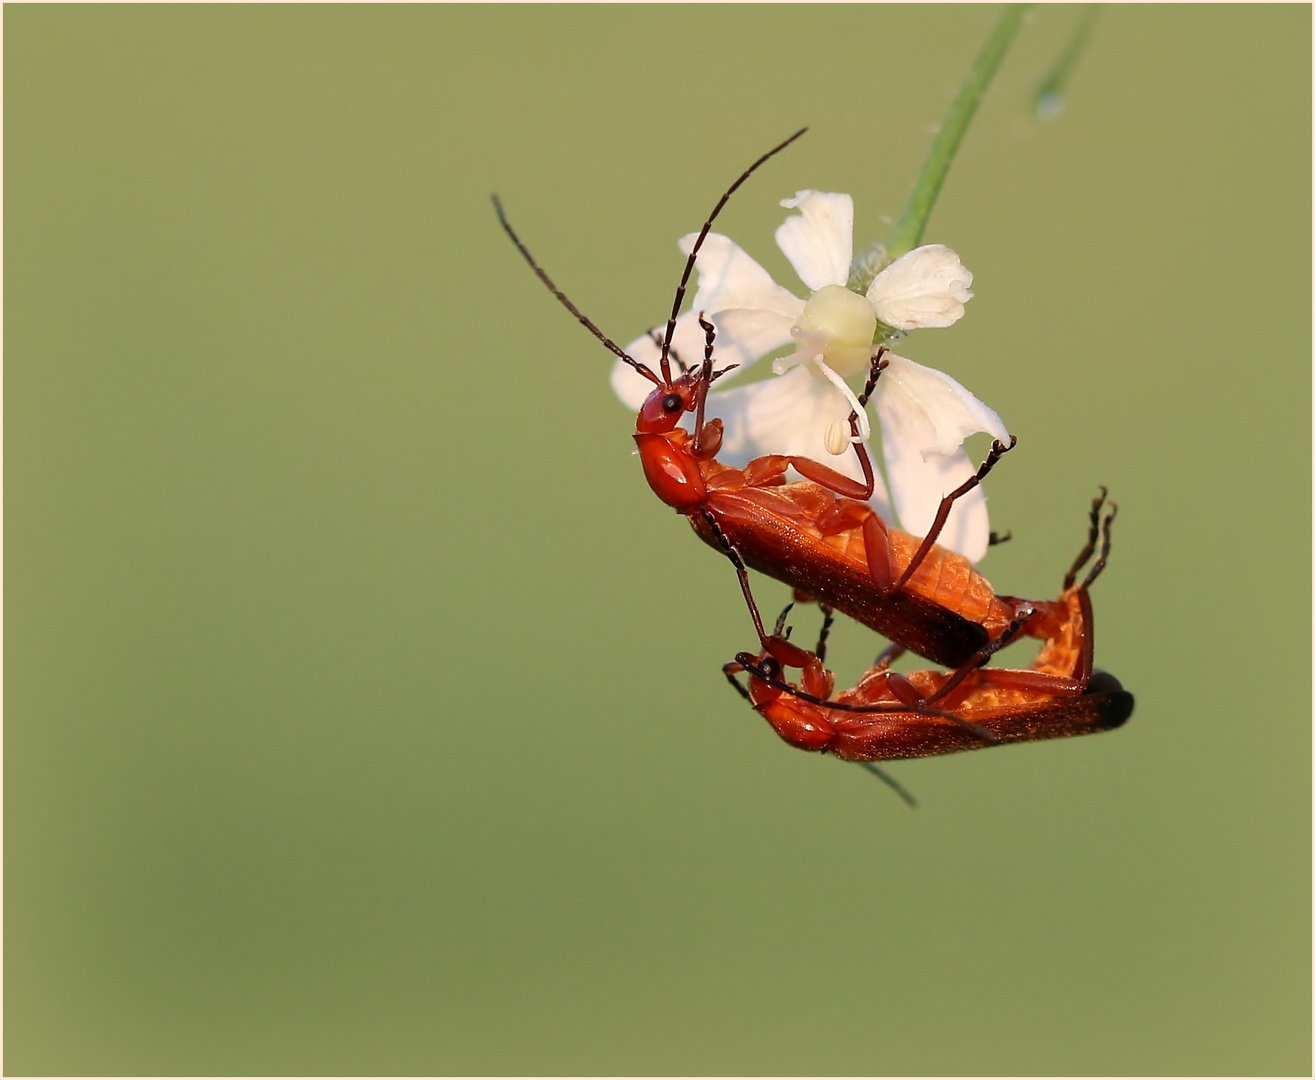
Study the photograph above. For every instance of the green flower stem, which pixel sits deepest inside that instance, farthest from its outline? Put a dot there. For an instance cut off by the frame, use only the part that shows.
(909, 228)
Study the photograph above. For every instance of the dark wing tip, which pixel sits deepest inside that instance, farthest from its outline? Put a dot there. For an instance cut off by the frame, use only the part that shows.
(1117, 704)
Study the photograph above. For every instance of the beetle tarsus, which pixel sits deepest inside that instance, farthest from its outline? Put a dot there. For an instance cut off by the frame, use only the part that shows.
(998, 450)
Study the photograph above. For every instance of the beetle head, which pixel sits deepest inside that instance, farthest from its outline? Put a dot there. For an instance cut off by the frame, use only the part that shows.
(663, 408)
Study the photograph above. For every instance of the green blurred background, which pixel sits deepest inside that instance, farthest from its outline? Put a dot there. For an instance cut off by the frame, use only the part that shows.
(364, 711)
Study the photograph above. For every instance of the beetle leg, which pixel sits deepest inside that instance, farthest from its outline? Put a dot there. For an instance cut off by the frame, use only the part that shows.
(876, 548)
(1040, 681)
(881, 685)
(879, 363)
(1093, 533)
(705, 385)
(888, 656)
(779, 629)
(779, 647)
(1099, 564)
(828, 619)
(983, 654)
(843, 515)
(741, 571)
(766, 471)
(998, 450)
(829, 478)
(834, 481)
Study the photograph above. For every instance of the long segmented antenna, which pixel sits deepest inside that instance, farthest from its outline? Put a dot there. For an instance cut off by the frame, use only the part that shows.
(694, 251)
(584, 319)
(894, 785)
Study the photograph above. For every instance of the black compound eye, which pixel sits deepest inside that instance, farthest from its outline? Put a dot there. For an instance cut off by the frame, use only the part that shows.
(770, 667)
(673, 403)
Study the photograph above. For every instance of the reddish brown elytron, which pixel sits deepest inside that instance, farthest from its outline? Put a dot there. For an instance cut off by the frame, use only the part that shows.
(888, 715)
(818, 535)
(836, 549)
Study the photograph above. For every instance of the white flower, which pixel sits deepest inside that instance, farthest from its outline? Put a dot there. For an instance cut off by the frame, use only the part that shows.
(925, 415)
(926, 287)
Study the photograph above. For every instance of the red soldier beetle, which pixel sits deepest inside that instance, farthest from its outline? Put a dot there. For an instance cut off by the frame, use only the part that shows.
(819, 535)
(925, 713)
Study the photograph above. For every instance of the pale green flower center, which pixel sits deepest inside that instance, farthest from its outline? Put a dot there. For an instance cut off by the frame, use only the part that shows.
(839, 324)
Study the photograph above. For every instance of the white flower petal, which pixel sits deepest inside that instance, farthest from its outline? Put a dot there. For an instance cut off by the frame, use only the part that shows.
(855, 406)
(787, 415)
(752, 313)
(926, 287)
(919, 484)
(729, 279)
(927, 411)
(925, 416)
(819, 240)
(746, 336)
(627, 384)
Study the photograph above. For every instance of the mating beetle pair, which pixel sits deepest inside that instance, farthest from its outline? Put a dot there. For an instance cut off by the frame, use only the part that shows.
(821, 536)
